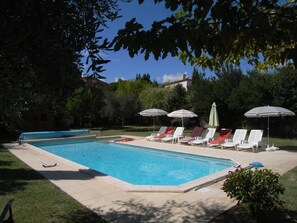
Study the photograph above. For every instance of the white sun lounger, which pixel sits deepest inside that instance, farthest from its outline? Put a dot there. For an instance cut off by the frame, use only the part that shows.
(162, 130)
(178, 133)
(238, 137)
(253, 141)
(209, 135)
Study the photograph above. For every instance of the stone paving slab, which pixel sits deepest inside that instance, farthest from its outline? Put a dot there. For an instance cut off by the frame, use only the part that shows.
(116, 205)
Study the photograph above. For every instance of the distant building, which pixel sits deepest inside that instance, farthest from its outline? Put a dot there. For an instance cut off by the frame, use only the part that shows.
(186, 82)
(94, 82)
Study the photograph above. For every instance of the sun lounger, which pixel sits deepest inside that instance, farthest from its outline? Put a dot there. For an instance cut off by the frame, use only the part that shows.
(238, 137)
(203, 140)
(224, 134)
(253, 141)
(195, 133)
(169, 131)
(161, 131)
(178, 133)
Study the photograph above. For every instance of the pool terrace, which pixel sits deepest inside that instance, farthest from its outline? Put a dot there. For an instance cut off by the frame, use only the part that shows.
(117, 205)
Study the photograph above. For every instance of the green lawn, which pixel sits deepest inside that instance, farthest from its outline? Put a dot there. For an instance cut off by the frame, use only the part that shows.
(38, 200)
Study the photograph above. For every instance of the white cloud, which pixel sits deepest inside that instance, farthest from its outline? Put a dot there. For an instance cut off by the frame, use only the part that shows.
(173, 77)
(118, 78)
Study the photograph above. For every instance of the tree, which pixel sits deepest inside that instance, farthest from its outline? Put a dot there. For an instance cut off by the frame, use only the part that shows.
(201, 94)
(42, 44)
(85, 105)
(154, 97)
(177, 98)
(211, 33)
(111, 108)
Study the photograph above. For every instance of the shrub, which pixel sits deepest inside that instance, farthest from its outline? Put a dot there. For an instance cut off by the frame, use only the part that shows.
(258, 190)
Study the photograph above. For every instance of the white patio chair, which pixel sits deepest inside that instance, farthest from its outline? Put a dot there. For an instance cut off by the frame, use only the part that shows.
(209, 135)
(178, 133)
(253, 141)
(161, 131)
(238, 137)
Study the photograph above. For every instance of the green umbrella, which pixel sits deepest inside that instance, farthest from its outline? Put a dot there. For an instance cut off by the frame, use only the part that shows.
(213, 116)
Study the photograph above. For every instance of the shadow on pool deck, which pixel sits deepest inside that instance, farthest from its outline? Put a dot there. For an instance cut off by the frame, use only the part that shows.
(172, 211)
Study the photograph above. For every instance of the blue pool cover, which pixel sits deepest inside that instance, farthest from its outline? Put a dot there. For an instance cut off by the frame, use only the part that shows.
(51, 134)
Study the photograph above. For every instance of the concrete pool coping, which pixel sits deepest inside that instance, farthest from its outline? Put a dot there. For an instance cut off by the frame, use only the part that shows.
(116, 205)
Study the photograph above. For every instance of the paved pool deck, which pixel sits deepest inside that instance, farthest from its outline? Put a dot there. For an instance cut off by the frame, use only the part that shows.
(117, 205)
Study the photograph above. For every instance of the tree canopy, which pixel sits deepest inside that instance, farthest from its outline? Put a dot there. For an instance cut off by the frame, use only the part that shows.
(212, 33)
(42, 44)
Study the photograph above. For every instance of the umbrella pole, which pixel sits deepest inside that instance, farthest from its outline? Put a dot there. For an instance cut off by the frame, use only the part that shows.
(154, 123)
(268, 132)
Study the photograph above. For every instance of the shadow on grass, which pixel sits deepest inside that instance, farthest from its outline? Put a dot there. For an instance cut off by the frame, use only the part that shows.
(140, 130)
(5, 163)
(289, 148)
(82, 216)
(12, 180)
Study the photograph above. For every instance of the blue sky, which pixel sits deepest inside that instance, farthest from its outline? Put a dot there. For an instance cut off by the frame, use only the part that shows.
(122, 66)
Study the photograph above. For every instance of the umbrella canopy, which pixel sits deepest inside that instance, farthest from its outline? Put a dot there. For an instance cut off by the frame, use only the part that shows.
(182, 113)
(152, 113)
(268, 111)
(213, 116)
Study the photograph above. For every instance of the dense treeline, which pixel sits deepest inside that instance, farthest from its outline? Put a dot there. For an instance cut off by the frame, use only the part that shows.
(117, 104)
(234, 93)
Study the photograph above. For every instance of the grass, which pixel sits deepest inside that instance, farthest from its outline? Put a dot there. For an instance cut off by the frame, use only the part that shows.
(130, 130)
(38, 200)
(35, 198)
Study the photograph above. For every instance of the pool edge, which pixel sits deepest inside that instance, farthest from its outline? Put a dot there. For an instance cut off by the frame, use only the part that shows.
(125, 186)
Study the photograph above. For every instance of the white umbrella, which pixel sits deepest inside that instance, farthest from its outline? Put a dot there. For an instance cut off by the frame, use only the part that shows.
(268, 111)
(182, 113)
(213, 116)
(152, 113)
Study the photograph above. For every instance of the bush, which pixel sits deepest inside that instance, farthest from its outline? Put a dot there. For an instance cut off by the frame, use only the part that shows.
(258, 190)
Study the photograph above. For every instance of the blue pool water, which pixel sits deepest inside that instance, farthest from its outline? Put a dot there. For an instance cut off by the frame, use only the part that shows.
(137, 165)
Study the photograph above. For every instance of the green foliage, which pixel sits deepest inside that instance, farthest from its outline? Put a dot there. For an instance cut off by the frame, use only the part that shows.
(284, 88)
(42, 43)
(177, 98)
(211, 34)
(146, 78)
(131, 87)
(154, 97)
(201, 94)
(84, 106)
(120, 108)
(259, 190)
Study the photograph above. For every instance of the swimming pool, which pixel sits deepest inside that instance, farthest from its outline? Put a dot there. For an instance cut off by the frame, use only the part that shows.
(137, 165)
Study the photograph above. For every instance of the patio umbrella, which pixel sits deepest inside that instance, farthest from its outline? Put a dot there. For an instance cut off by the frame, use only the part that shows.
(213, 116)
(182, 113)
(268, 111)
(152, 113)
